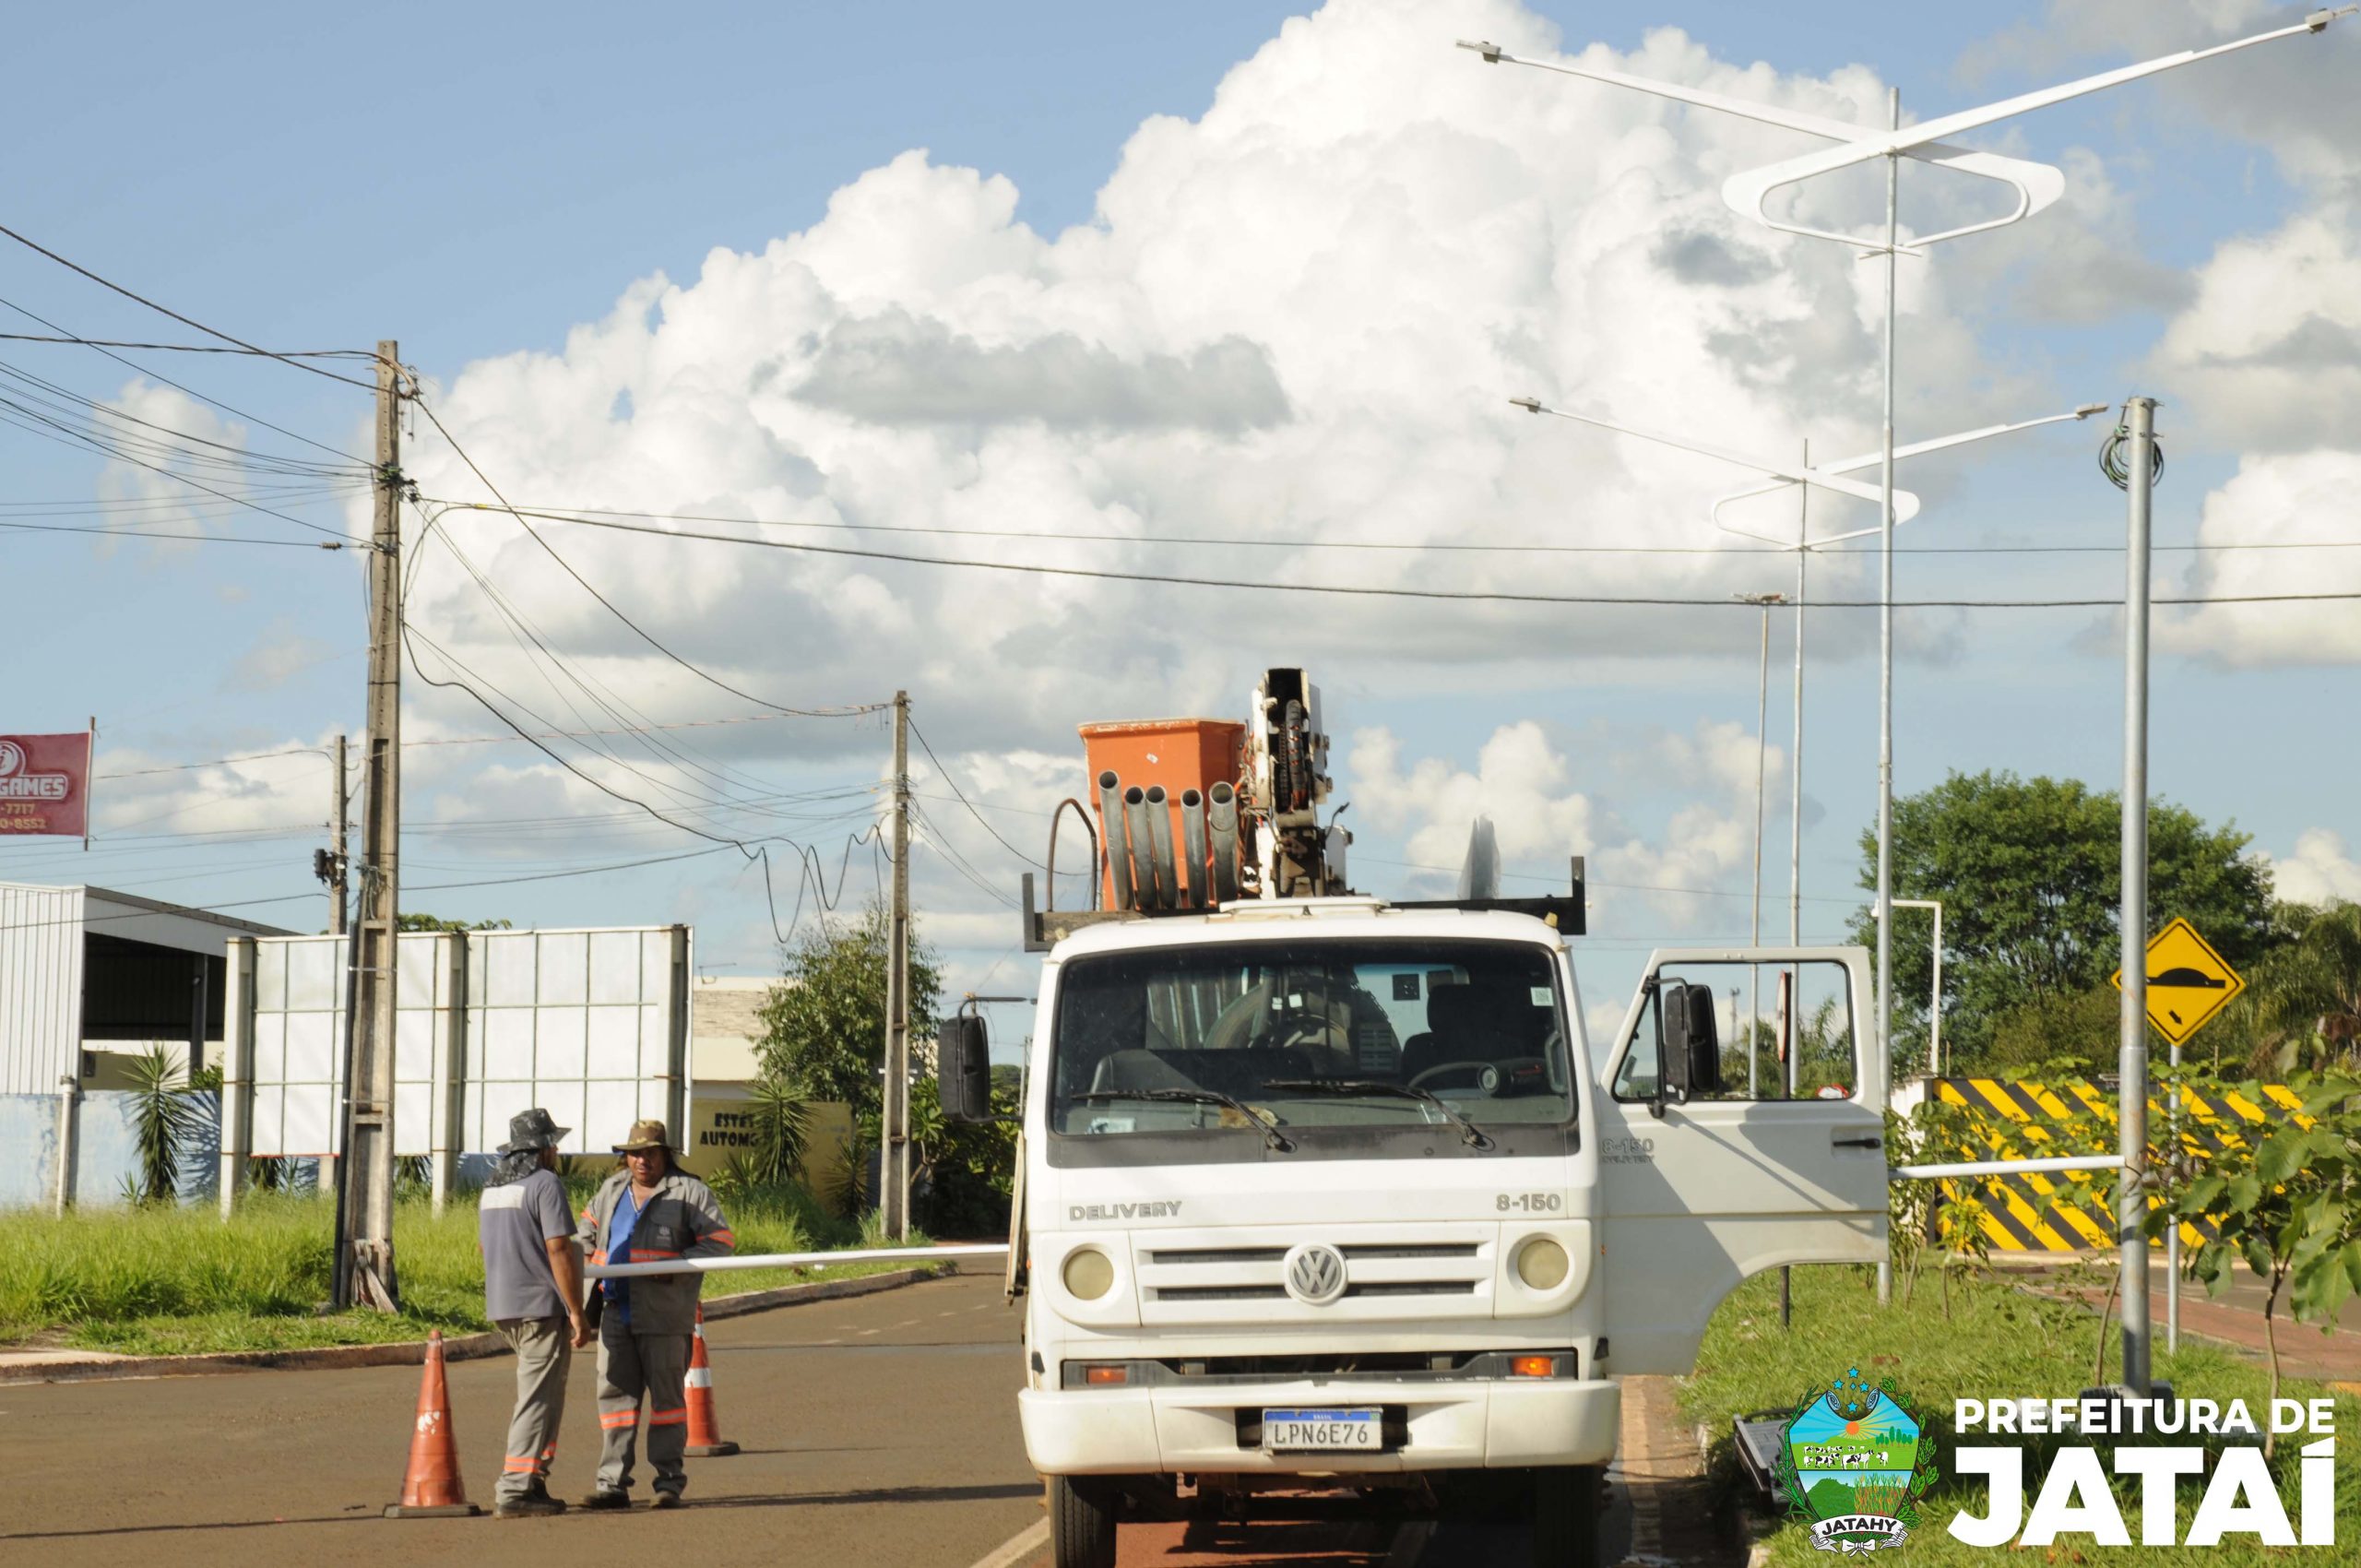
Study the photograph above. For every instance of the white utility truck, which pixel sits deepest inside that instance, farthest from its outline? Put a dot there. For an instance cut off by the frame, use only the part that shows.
(1322, 1193)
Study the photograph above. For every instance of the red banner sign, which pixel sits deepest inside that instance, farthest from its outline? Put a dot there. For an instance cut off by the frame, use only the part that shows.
(45, 785)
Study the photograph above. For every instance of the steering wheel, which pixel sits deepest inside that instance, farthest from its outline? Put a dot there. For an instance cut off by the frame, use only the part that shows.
(1486, 1074)
(1301, 1027)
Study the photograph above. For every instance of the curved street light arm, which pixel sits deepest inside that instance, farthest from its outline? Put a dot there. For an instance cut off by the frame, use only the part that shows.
(1905, 505)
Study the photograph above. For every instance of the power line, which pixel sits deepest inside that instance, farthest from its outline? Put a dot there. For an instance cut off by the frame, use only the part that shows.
(167, 381)
(188, 347)
(1443, 595)
(185, 321)
(1268, 542)
(945, 774)
(611, 608)
(185, 538)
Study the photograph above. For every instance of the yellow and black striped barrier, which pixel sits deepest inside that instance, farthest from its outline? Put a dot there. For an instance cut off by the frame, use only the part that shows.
(2040, 1212)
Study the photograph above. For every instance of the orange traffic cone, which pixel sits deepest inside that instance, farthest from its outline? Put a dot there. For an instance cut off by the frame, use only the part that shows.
(431, 1486)
(705, 1426)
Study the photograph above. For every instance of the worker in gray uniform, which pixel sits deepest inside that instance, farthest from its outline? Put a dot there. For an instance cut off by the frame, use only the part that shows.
(648, 1211)
(532, 1291)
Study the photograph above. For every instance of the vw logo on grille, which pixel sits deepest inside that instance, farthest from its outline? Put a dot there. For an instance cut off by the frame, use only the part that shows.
(1315, 1274)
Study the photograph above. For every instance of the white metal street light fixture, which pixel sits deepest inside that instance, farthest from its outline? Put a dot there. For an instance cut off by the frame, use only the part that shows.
(2037, 186)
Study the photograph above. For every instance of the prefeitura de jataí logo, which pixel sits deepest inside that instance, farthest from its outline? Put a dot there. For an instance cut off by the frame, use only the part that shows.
(1854, 1460)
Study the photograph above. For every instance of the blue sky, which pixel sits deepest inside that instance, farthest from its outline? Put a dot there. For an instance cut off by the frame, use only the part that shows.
(484, 184)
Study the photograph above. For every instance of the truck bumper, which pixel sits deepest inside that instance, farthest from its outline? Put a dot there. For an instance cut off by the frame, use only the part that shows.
(1491, 1425)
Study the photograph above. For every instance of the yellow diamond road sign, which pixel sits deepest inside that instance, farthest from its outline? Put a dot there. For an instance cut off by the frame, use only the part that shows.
(2188, 982)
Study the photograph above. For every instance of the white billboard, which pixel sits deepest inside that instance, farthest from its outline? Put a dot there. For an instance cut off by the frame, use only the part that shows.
(591, 1025)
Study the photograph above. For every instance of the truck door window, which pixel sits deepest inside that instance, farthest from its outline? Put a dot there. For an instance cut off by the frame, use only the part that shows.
(1762, 1012)
(1477, 1023)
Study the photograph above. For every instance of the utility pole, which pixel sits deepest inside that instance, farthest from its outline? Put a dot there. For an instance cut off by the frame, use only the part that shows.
(2139, 456)
(341, 800)
(895, 1168)
(1885, 644)
(366, 1211)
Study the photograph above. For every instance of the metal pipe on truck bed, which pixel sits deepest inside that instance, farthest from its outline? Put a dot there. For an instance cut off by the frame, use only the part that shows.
(1192, 846)
(1159, 847)
(1136, 828)
(1221, 822)
(1111, 829)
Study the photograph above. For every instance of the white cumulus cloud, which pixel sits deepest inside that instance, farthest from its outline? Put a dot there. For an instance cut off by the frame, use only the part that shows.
(2322, 870)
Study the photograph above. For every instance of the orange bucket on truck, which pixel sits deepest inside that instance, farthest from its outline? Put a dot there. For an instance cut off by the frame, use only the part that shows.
(1175, 754)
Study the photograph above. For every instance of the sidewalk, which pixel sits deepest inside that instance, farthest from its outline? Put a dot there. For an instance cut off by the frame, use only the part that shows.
(2235, 1320)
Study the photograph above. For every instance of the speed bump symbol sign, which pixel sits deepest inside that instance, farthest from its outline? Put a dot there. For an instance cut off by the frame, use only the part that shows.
(2188, 982)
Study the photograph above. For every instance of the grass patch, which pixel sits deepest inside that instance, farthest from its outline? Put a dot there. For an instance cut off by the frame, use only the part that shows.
(1998, 1341)
(166, 1280)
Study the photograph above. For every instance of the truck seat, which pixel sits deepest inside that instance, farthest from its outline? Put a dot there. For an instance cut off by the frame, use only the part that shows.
(1460, 1027)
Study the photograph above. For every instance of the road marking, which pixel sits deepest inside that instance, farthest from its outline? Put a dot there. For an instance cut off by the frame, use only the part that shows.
(867, 1332)
(1017, 1548)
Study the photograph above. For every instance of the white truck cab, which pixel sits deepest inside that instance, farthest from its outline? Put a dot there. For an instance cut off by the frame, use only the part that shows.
(1329, 1192)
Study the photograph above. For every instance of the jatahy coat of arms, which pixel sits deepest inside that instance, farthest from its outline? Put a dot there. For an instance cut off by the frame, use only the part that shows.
(1854, 1460)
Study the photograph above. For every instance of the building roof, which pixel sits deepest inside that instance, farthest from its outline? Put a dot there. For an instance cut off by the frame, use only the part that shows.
(154, 907)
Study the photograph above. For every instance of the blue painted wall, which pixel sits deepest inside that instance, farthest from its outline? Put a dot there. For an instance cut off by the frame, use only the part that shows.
(106, 1152)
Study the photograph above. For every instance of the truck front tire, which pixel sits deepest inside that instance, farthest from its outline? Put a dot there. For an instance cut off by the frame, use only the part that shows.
(1566, 1508)
(1082, 1522)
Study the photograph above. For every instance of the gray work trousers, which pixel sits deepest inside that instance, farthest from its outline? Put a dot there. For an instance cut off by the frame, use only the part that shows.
(544, 1348)
(629, 1365)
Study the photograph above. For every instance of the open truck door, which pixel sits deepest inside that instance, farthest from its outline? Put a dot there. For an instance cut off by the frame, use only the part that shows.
(1711, 1170)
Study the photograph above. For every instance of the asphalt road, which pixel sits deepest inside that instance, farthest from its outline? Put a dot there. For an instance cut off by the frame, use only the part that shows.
(876, 1430)
(880, 1430)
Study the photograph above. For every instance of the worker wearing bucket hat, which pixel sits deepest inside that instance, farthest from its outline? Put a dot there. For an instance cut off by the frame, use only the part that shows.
(647, 1211)
(533, 1292)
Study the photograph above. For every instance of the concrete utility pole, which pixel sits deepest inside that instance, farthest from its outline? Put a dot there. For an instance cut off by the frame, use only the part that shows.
(365, 1270)
(895, 1168)
(2139, 456)
(340, 803)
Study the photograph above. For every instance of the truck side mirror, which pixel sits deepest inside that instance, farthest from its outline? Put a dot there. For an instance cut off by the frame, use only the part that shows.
(1693, 1041)
(963, 1070)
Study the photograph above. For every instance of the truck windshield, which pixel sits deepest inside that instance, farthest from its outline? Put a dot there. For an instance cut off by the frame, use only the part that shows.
(1312, 1035)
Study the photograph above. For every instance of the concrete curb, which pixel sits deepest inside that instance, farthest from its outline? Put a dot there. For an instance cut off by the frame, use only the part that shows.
(412, 1352)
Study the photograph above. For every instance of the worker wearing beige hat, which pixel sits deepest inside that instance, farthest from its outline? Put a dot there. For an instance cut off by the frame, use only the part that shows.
(648, 1210)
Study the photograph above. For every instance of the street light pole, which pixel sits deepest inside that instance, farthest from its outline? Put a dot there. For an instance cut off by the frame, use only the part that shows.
(1885, 642)
(1761, 752)
(2137, 457)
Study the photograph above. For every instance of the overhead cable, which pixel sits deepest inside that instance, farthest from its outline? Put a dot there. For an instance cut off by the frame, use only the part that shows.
(1170, 580)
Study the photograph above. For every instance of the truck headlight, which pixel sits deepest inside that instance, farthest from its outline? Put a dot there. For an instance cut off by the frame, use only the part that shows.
(1089, 1273)
(1541, 1263)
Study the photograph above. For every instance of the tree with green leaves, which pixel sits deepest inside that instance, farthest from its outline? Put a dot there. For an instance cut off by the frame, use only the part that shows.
(2302, 1004)
(2029, 872)
(2288, 1200)
(824, 1024)
(436, 922)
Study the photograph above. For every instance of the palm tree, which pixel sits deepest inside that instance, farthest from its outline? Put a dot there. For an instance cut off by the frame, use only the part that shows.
(164, 1118)
(2302, 1006)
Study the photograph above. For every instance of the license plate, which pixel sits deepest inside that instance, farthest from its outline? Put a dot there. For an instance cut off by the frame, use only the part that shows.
(1321, 1432)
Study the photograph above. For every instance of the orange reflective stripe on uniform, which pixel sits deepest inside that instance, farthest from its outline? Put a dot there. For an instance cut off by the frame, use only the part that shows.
(525, 1464)
(641, 1254)
(611, 1419)
(729, 1236)
(668, 1418)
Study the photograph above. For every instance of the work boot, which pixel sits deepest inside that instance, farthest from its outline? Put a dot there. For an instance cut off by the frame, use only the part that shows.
(607, 1498)
(534, 1504)
(665, 1500)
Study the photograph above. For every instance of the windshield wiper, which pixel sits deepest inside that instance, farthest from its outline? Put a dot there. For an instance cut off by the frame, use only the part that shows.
(1471, 1134)
(1267, 1125)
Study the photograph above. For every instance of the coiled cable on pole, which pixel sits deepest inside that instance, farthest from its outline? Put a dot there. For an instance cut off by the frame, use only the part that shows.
(2118, 469)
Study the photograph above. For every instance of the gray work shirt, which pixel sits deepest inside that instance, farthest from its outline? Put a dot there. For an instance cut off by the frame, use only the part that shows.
(517, 1220)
